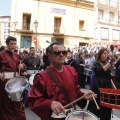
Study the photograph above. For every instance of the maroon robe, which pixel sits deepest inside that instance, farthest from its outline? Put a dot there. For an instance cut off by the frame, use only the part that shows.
(9, 110)
(44, 91)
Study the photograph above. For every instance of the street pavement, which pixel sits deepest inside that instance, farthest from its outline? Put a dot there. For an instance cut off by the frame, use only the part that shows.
(32, 116)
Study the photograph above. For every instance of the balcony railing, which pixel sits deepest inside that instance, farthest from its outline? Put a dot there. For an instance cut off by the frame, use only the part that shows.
(107, 21)
(113, 4)
(24, 27)
(102, 2)
(110, 3)
(58, 30)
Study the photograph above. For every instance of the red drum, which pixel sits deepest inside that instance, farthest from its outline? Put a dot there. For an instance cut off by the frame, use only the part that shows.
(110, 98)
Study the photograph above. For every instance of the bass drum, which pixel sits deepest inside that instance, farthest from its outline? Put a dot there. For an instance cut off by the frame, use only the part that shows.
(81, 115)
(31, 79)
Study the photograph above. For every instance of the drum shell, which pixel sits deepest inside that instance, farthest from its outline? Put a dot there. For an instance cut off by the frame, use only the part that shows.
(31, 79)
(15, 96)
(87, 72)
(110, 98)
(22, 84)
(79, 114)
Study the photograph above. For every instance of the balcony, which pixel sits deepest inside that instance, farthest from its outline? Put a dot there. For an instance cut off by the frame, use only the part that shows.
(108, 21)
(113, 4)
(58, 30)
(102, 2)
(107, 3)
(24, 27)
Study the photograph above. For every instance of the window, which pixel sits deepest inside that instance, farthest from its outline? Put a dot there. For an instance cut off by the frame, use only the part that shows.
(57, 25)
(81, 25)
(100, 14)
(60, 40)
(5, 36)
(5, 25)
(5, 31)
(104, 33)
(111, 16)
(8, 31)
(26, 21)
(26, 41)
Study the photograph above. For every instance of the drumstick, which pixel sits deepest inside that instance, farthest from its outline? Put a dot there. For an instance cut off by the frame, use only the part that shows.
(75, 101)
(95, 102)
(113, 84)
(19, 67)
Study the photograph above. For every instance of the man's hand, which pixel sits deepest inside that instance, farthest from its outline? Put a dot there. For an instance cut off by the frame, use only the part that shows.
(25, 73)
(57, 107)
(20, 66)
(89, 95)
(2, 77)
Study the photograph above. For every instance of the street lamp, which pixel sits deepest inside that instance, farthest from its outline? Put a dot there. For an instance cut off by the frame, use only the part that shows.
(35, 39)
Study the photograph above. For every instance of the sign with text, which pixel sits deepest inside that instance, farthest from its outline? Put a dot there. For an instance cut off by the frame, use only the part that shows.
(58, 10)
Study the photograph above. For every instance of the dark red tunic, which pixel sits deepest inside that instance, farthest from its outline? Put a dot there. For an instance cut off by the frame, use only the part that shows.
(9, 110)
(44, 91)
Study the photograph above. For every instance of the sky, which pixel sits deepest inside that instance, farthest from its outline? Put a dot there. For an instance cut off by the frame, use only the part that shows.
(5, 7)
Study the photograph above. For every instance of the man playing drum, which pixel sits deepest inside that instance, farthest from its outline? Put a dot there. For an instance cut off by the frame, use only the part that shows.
(9, 67)
(45, 96)
(32, 63)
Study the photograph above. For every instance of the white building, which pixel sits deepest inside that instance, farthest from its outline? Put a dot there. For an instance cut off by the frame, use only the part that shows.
(4, 28)
(70, 22)
(107, 29)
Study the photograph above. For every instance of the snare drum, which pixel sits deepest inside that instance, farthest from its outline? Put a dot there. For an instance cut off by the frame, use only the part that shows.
(81, 115)
(110, 98)
(15, 87)
(87, 72)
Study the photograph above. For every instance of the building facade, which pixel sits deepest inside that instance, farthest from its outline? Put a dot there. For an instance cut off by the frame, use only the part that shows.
(107, 27)
(4, 28)
(70, 22)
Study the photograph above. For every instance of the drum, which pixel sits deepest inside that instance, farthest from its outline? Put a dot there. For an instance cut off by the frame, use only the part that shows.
(31, 79)
(15, 87)
(81, 115)
(110, 98)
(87, 72)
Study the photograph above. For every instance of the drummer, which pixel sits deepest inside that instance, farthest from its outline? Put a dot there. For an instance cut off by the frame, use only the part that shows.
(32, 63)
(101, 68)
(45, 96)
(9, 67)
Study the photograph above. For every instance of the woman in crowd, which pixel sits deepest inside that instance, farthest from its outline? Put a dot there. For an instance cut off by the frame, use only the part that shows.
(80, 69)
(101, 68)
(69, 60)
(117, 72)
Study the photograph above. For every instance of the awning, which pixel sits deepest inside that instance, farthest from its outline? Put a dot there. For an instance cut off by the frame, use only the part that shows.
(116, 43)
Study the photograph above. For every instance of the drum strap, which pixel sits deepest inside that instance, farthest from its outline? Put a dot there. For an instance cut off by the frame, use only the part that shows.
(56, 82)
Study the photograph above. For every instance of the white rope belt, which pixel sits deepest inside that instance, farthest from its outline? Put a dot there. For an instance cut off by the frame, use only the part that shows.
(32, 71)
(9, 75)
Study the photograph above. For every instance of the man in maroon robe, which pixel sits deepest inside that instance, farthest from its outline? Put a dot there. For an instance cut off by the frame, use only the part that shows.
(45, 96)
(9, 64)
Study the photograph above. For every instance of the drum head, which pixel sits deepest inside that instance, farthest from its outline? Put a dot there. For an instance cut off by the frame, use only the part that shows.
(81, 115)
(16, 84)
(31, 79)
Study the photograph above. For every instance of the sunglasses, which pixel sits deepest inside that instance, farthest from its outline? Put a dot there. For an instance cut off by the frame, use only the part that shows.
(59, 52)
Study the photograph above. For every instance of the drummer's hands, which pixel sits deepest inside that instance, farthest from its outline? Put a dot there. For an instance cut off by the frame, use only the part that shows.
(57, 107)
(25, 73)
(20, 66)
(90, 95)
(2, 77)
